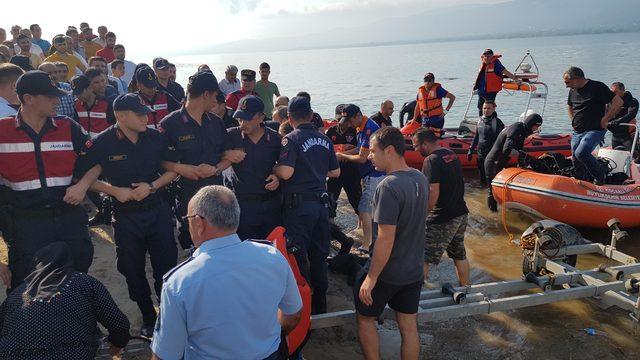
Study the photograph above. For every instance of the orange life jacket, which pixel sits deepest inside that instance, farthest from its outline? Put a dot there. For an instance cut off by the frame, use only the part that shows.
(300, 334)
(93, 119)
(492, 81)
(430, 104)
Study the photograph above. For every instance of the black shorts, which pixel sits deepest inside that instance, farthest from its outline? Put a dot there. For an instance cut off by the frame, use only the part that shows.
(401, 298)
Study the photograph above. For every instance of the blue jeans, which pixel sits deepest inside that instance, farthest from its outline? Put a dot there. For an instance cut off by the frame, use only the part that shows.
(585, 165)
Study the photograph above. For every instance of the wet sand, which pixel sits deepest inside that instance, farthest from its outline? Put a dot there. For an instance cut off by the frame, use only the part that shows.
(552, 331)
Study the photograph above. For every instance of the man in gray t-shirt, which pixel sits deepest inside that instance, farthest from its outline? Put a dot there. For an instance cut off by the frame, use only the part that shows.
(394, 274)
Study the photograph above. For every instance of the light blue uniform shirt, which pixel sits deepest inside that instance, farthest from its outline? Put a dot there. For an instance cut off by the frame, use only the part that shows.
(222, 303)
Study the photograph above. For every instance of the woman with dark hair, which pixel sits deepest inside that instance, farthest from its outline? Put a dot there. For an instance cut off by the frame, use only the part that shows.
(54, 313)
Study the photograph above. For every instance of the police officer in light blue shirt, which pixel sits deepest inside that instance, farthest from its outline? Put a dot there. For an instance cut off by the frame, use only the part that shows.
(231, 299)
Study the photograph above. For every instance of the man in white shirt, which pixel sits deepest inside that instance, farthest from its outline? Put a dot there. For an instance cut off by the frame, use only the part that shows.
(230, 83)
(101, 39)
(34, 49)
(129, 67)
(9, 75)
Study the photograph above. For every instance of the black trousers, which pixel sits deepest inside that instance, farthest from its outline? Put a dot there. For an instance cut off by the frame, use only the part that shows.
(32, 230)
(481, 170)
(136, 233)
(349, 180)
(259, 217)
(308, 230)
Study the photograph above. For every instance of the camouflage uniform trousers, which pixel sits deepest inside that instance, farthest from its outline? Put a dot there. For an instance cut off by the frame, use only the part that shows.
(447, 236)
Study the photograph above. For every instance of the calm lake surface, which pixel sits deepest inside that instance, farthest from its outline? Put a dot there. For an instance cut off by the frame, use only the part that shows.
(367, 75)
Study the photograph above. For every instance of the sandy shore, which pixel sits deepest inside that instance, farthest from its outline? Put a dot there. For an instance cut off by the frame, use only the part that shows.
(543, 332)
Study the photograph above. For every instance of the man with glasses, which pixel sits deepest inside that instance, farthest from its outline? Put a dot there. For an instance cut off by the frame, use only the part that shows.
(489, 80)
(248, 78)
(130, 157)
(232, 299)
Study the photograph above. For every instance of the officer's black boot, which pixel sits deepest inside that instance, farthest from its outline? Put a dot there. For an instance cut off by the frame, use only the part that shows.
(318, 304)
(148, 317)
(345, 242)
(492, 203)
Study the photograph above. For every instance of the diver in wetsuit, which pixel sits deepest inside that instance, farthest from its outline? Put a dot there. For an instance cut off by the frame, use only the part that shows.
(489, 126)
(407, 109)
(621, 136)
(511, 138)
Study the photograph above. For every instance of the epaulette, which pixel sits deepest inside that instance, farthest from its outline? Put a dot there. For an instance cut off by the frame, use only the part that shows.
(172, 271)
(265, 242)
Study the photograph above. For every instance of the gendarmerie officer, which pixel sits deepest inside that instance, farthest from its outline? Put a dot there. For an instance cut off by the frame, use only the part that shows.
(255, 185)
(130, 157)
(161, 102)
(306, 159)
(511, 138)
(38, 152)
(199, 141)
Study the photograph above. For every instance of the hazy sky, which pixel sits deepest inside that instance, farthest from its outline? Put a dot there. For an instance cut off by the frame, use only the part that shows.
(149, 26)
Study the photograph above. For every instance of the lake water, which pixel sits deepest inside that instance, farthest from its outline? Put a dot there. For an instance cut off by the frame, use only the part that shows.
(367, 75)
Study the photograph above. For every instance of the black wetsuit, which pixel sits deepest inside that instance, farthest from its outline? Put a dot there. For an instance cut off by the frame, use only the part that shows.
(408, 109)
(511, 138)
(621, 135)
(485, 136)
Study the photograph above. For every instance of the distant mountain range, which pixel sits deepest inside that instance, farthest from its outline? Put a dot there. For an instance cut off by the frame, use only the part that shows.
(516, 18)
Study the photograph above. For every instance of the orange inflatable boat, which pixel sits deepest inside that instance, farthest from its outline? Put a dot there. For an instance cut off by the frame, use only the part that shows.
(571, 201)
(535, 145)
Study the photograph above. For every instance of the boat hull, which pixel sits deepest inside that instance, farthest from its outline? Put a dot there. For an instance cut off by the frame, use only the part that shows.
(574, 202)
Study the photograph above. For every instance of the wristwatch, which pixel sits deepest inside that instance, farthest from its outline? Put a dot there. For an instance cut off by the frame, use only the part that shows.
(152, 189)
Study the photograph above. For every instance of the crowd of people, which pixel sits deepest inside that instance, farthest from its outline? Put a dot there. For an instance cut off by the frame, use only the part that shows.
(221, 164)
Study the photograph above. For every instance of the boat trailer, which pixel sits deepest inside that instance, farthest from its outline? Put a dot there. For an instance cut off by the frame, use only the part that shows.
(550, 250)
(547, 274)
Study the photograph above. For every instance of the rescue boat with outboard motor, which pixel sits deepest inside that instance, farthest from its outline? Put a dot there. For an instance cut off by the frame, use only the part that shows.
(459, 139)
(575, 202)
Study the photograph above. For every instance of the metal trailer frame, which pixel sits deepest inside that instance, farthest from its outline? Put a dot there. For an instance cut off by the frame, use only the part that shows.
(607, 285)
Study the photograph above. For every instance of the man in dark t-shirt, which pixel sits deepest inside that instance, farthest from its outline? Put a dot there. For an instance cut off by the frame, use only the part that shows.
(447, 219)
(383, 117)
(590, 116)
(393, 274)
(621, 134)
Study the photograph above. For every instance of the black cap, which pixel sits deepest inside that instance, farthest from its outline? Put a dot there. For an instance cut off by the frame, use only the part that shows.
(348, 112)
(247, 74)
(37, 82)
(487, 52)
(299, 105)
(203, 81)
(79, 83)
(59, 39)
(131, 102)
(22, 61)
(429, 77)
(532, 120)
(147, 77)
(160, 63)
(248, 107)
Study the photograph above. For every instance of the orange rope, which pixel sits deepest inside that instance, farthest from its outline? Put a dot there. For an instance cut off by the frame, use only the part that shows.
(504, 204)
